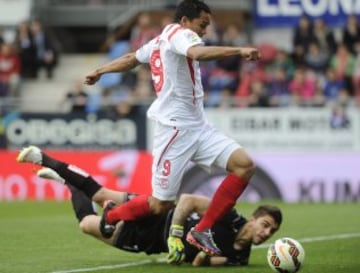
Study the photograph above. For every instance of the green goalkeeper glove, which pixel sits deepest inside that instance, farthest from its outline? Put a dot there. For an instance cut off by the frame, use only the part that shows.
(175, 245)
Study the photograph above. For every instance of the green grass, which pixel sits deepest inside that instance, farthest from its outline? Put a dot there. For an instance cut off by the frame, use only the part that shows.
(43, 237)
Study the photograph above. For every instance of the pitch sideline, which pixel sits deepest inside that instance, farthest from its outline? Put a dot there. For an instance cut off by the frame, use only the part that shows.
(161, 260)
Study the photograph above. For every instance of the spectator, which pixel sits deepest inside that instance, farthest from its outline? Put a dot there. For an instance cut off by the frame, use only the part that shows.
(343, 63)
(303, 87)
(232, 37)
(46, 55)
(343, 98)
(77, 98)
(226, 99)
(284, 62)
(122, 107)
(212, 36)
(324, 37)
(250, 72)
(27, 50)
(9, 71)
(331, 85)
(303, 36)
(224, 75)
(319, 99)
(118, 48)
(220, 78)
(268, 52)
(278, 89)
(339, 118)
(258, 95)
(143, 90)
(120, 33)
(351, 34)
(143, 31)
(316, 59)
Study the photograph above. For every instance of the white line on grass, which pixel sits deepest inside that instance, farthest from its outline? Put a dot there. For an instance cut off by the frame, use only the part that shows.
(105, 267)
(161, 260)
(321, 238)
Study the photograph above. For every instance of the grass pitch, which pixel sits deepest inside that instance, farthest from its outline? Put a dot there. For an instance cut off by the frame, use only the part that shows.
(43, 237)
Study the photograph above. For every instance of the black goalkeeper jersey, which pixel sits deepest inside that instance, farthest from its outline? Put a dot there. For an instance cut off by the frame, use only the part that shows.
(150, 235)
(147, 235)
(224, 233)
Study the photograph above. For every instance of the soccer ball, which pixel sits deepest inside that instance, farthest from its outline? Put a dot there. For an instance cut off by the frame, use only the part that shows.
(286, 255)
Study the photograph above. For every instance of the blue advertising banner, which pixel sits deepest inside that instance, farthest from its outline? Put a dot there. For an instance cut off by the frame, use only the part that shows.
(74, 131)
(286, 13)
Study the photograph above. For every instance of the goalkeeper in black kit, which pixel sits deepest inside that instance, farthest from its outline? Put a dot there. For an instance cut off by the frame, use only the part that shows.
(164, 233)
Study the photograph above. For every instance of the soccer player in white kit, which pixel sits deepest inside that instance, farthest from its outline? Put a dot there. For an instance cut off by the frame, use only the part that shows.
(182, 132)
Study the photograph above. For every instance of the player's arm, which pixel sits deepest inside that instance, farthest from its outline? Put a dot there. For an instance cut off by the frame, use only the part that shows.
(187, 204)
(202, 259)
(121, 64)
(206, 53)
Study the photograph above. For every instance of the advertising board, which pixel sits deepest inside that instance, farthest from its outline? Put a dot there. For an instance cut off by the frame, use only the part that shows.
(294, 129)
(286, 13)
(126, 170)
(69, 131)
(291, 177)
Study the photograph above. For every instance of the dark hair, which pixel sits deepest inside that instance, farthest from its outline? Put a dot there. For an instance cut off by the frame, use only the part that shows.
(191, 9)
(273, 211)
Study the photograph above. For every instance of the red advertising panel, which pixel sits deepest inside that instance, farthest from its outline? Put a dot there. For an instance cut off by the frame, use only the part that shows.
(126, 170)
(291, 177)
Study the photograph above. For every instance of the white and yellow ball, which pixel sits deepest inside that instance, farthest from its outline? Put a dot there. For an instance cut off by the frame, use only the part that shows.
(286, 255)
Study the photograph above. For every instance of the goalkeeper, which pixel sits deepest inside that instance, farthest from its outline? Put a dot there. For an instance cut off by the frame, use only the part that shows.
(164, 233)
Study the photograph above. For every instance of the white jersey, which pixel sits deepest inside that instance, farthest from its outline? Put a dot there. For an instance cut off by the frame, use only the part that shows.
(176, 78)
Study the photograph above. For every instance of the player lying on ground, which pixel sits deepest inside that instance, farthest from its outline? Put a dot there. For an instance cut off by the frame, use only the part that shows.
(233, 234)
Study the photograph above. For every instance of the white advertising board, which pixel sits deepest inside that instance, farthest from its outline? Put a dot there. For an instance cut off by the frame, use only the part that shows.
(313, 177)
(296, 177)
(290, 129)
(301, 157)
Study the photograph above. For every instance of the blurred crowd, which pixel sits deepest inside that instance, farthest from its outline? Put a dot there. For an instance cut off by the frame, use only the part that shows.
(24, 54)
(321, 69)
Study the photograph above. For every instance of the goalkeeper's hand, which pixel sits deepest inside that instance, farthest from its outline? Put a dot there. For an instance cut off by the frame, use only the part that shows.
(176, 247)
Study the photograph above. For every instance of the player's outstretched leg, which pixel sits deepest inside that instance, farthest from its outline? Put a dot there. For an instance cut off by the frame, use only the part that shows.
(31, 154)
(204, 241)
(48, 173)
(81, 204)
(107, 229)
(62, 171)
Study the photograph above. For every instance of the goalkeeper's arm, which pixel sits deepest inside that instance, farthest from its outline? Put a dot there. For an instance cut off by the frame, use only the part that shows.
(202, 259)
(187, 204)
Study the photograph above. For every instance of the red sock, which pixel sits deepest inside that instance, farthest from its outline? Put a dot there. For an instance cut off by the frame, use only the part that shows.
(224, 199)
(135, 208)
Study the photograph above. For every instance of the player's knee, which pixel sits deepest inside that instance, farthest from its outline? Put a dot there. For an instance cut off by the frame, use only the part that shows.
(158, 206)
(100, 196)
(84, 226)
(245, 168)
(250, 168)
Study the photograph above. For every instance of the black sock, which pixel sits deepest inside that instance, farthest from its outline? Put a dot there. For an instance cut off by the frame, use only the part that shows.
(72, 176)
(81, 204)
(51, 163)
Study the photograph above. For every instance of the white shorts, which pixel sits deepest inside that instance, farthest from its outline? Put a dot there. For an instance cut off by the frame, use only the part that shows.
(175, 148)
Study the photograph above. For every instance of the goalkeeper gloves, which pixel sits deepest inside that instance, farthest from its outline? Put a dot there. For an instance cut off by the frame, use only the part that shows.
(175, 245)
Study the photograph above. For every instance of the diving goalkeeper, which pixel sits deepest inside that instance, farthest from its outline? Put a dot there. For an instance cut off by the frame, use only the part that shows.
(164, 233)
